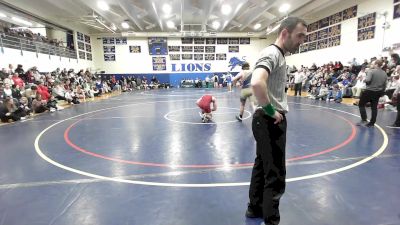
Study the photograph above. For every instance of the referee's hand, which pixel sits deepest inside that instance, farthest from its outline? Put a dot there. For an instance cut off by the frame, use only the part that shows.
(278, 117)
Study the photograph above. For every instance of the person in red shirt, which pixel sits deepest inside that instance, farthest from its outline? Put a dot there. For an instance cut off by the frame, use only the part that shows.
(204, 104)
(18, 81)
(43, 91)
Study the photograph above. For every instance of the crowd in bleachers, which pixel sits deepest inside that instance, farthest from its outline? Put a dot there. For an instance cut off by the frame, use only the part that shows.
(129, 83)
(335, 81)
(23, 93)
(29, 35)
(214, 81)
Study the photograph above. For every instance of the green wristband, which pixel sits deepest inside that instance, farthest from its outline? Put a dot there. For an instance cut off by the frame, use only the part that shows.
(269, 110)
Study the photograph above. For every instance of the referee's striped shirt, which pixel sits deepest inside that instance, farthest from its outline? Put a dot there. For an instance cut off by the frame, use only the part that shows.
(273, 60)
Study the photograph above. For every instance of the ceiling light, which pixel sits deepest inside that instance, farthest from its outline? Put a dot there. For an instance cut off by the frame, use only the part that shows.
(16, 19)
(103, 6)
(125, 25)
(226, 9)
(284, 8)
(167, 9)
(170, 24)
(257, 26)
(216, 24)
(2, 15)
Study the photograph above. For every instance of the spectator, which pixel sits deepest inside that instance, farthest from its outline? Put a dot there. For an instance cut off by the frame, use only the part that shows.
(18, 81)
(7, 92)
(323, 93)
(8, 111)
(376, 82)
(38, 105)
(335, 94)
(392, 84)
(59, 92)
(395, 59)
(20, 71)
(16, 93)
(207, 81)
(360, 85)
(299, 77)
(396, 100)
(43, 91)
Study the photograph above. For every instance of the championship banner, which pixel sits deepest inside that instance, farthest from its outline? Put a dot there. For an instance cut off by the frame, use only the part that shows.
(135, 49)
(159, 63)
(366, 33)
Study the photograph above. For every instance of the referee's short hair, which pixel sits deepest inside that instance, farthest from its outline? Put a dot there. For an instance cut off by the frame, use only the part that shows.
(290, 23)
(379, 62)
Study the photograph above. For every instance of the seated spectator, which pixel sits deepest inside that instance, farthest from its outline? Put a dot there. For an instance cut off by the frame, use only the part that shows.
(16, 93)
(393, 83)
(30, 94)
(9, 111)
(23, 106)
(95, 92)
(7, 92)
(71, 97)
(335, 94)
(43, 91)
(52, 104)
(8, 80)
(360, 84)
(20, 71)
(99, 87)
(10, 70)
(154, 83)
(38, 105)
(323, 93)
(18, 81)
(80, 93)
(3, 74)
(59, 92)
(345, 86)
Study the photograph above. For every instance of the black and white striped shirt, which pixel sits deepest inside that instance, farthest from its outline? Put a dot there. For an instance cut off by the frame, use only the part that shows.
(273, 60)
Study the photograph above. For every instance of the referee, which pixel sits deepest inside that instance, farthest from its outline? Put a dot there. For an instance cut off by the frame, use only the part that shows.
(376, 83)
(269, 124)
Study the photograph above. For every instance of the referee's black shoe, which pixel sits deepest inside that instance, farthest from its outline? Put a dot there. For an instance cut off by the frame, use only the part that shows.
(362, 123)
(253, 213)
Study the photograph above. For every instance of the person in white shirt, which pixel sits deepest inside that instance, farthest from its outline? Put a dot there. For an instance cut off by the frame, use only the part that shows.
(7, 92)
(393, 83)
(9, 80)
(207, 81)
(360, 85)
(323, 93)
(299, 77)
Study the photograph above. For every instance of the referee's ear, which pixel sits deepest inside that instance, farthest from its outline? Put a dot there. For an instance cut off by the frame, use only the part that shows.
(285, 33)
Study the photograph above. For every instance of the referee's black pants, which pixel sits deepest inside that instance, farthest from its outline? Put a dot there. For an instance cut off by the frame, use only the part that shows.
(297, 89)
(268, 176)
(373, 97)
